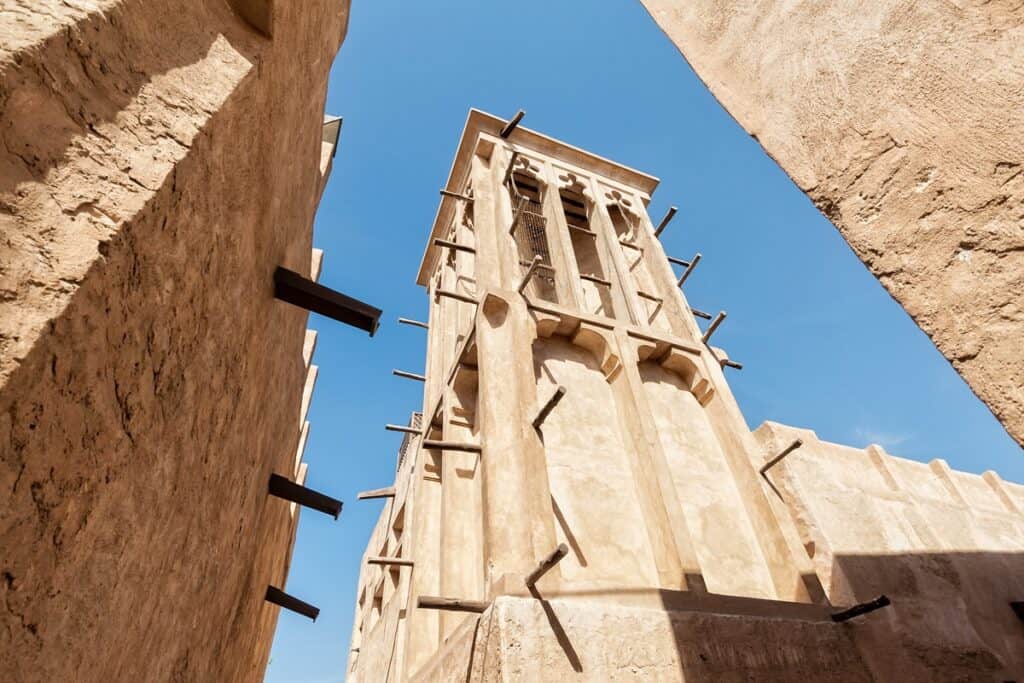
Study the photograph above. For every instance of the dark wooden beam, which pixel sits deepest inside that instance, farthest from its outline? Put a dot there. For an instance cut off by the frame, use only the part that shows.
(282, 599)
(283, 487)
(299, 291)
(451, 604)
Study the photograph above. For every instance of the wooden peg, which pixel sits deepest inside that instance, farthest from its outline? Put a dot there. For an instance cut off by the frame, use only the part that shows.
(528, 275)
(278, 597)
(451, 604)
(547, 563)
(713, 326)
(389, 492)
(549, 406)
(409, 375)
(665, 221)
(397, 561)
(511, 125)
(689, 269)
(403, 428)
(797, 443)
(456, 195)
(863, 608)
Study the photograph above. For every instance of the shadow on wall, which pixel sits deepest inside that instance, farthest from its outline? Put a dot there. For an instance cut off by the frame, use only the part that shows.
(83, 76)
(950, 619)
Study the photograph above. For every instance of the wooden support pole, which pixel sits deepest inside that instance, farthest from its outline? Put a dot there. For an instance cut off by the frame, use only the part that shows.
(516, 216)
(863, 608)
(511, 125)
(300, 291)
(445, 244)
(547, 563)
(549, 406)
(665, 221)
(511, 164)
(414, 323)
(278, 597)
(403, 428)
(678, 261)
(455, 295)
(399, 561)
(409, 375)
(713, 326)
(649, 297)
(456, 195)
(726, 363)
(389, 492)
(797, 443)
(451, 604)
(595, 279)
(697, 313)
(452, 446)
(529, 273)
(281, 487)
(689, 269)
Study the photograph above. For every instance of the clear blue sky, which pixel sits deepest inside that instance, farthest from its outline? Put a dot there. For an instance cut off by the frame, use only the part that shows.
(823, 344)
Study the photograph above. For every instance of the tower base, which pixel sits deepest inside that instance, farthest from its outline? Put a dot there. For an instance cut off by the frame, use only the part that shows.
(525, 639)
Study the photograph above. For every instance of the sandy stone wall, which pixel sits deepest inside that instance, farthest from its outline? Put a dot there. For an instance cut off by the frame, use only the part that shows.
(904, 123)
(945, 546)
(159, 160)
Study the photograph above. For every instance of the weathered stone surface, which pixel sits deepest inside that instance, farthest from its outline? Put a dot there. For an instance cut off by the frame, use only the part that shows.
(159, 159)
(904, 123)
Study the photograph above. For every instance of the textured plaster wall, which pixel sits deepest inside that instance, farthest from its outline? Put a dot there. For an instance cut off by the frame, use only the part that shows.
(158, 160)
(904, 123)
(947, 547)
(593, 498)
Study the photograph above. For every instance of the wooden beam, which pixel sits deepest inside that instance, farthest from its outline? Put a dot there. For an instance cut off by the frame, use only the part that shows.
(282, 487)
(456, 195)
(451, 604)
(528, 275)
(549, 406)
(403, 428)
(797, 443)
(689, 269)
(511, 125)
(390, 560)
(409, 375)
(547, 563)
(863, 608)
(294, 289)
(665, 221)
(713, 326)
(447, 244)
(278, 597)
(452, 446)
(455, 295)
(414, 323)
(388, 492)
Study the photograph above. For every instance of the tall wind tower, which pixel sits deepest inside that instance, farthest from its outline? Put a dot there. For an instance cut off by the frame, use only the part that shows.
(581, 495)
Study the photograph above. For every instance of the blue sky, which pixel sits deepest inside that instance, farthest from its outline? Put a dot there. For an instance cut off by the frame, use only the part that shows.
(823, 344)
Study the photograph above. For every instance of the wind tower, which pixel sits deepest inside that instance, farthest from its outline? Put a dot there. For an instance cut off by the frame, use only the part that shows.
(581, 495)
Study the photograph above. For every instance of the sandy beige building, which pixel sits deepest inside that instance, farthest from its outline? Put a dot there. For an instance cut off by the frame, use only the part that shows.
(159, 161)
(904, 122)
(581, 498)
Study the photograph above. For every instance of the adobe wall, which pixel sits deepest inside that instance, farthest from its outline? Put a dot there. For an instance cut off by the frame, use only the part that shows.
(904, 122)
(947, 547)
(160, 160)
